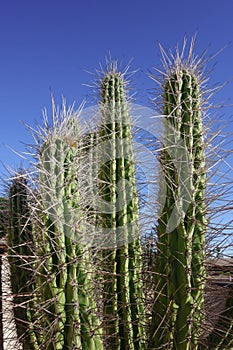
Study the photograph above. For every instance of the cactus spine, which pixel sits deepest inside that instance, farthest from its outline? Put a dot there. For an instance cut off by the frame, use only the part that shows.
(19, 241)
(122, 293)
(179, 297)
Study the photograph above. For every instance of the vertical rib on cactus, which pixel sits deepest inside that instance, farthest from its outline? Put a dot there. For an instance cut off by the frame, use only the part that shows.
(19, 239)
(122, 299)
(179, 298)
(90, 158)
(68, 312)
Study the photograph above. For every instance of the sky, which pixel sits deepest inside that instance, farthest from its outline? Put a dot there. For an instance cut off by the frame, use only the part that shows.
(49, 45)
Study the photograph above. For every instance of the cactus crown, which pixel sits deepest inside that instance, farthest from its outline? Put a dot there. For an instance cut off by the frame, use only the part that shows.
(112, 88)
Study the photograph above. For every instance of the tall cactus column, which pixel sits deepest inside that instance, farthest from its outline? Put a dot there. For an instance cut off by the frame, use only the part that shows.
(19, 241)
(123, 298)
(3, 249)
(179, 297)
(67, 314)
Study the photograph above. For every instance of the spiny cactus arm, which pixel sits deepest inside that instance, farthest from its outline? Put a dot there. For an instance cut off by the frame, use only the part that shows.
(165, 307)
(91, 332)
(122, 253)
(107, 176)
(185, 254)
(52, 191)
(3, 216)
(118, 175)
(90, 156)
(181, 237)
(130, 220)
(81, 321)
(72, 329)
(198, 226)
(193, 238)
(19, 239)
(136, 295)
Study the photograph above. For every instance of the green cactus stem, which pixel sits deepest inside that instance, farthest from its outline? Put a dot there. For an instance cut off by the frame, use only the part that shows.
(68, 314)
(3, 216)
(123, 309)
(20, 245)
(180, 272)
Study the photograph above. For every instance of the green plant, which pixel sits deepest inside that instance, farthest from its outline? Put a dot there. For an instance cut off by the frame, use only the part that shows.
(3, 216)
(123, 308)
(3, 221)
(19, 255)
(64, 298)
(180, 263)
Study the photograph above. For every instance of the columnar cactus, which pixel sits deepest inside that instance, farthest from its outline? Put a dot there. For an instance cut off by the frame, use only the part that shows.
(180, 272)
(20, 251)
(67, 314)
(123, 310)
(3, 216)
(3, 228)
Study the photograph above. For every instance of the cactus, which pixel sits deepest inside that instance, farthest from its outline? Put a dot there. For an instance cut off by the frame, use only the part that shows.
(123, 309)
(67, 313)
(3, 220)
(180, 273)
(20, 251)
(3, 216)
(90, 162)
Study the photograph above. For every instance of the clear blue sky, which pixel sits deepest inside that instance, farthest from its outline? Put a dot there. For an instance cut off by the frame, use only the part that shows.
(48, 44)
